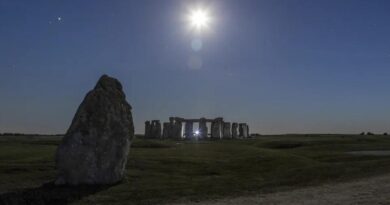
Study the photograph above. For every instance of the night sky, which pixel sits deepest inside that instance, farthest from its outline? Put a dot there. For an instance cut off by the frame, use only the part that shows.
(283, 66)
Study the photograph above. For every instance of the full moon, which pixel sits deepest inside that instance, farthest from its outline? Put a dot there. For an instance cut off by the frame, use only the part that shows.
(199, 19)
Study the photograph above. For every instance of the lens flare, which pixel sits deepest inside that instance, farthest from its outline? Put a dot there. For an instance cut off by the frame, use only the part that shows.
(199, 19)
(197, 133)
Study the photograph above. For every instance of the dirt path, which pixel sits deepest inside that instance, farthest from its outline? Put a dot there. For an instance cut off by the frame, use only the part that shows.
(375, 190)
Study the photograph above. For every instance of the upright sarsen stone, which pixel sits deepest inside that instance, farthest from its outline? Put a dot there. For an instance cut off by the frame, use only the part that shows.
(148, 130)
(94, 149)
(166, 130)
(226, 130)
(189, 130)
(235, 130)
(156, 129)
(243, 129)
(203, 128)
(216, 128)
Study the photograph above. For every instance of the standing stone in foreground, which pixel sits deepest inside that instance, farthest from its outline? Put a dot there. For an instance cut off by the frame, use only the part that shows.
(94, 150)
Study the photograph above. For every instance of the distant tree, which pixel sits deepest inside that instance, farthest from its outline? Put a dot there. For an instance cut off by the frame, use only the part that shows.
(363, 133)
(385, 133)
(370, 133)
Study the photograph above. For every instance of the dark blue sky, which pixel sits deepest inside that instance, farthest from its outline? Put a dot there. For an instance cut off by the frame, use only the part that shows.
(283, 66)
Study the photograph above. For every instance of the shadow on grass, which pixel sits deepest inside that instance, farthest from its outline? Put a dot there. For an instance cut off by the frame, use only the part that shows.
(50, 194)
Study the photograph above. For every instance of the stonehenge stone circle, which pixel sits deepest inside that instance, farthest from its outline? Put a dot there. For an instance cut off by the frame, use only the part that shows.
(153, 130)
(94, 149)
(173, 129)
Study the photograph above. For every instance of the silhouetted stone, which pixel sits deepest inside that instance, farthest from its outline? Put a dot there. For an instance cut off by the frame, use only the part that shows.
(216, 128)
(156, 129)
(235, 130)
(189, 130)
(175, 128)
(226, 130)
(203, 128)
(243, 129)
(385, 133)
(94, 150)
(166, 130)
(148, 130)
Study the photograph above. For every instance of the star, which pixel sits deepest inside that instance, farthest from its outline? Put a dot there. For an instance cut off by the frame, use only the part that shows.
(59, 18)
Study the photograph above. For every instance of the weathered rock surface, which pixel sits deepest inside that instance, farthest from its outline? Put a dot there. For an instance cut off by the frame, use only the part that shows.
(94, 150)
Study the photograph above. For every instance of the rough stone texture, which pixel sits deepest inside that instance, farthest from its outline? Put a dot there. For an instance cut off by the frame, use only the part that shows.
(148, 129)
(203, 128)
(189, 130)
(235, 130)
(226, 130)
(94, 150)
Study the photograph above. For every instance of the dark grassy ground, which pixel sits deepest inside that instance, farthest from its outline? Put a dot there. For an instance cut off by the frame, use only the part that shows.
(166, 171)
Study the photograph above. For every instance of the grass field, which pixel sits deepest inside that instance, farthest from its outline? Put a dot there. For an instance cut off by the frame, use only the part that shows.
(168, 171)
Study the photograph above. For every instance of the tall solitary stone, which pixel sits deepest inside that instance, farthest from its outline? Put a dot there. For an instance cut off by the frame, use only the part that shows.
(94, 150)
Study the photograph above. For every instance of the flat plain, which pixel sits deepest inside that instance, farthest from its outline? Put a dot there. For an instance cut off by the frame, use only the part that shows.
(168, 171)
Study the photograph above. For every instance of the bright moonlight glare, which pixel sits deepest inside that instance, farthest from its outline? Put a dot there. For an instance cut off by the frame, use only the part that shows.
(199, 19)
